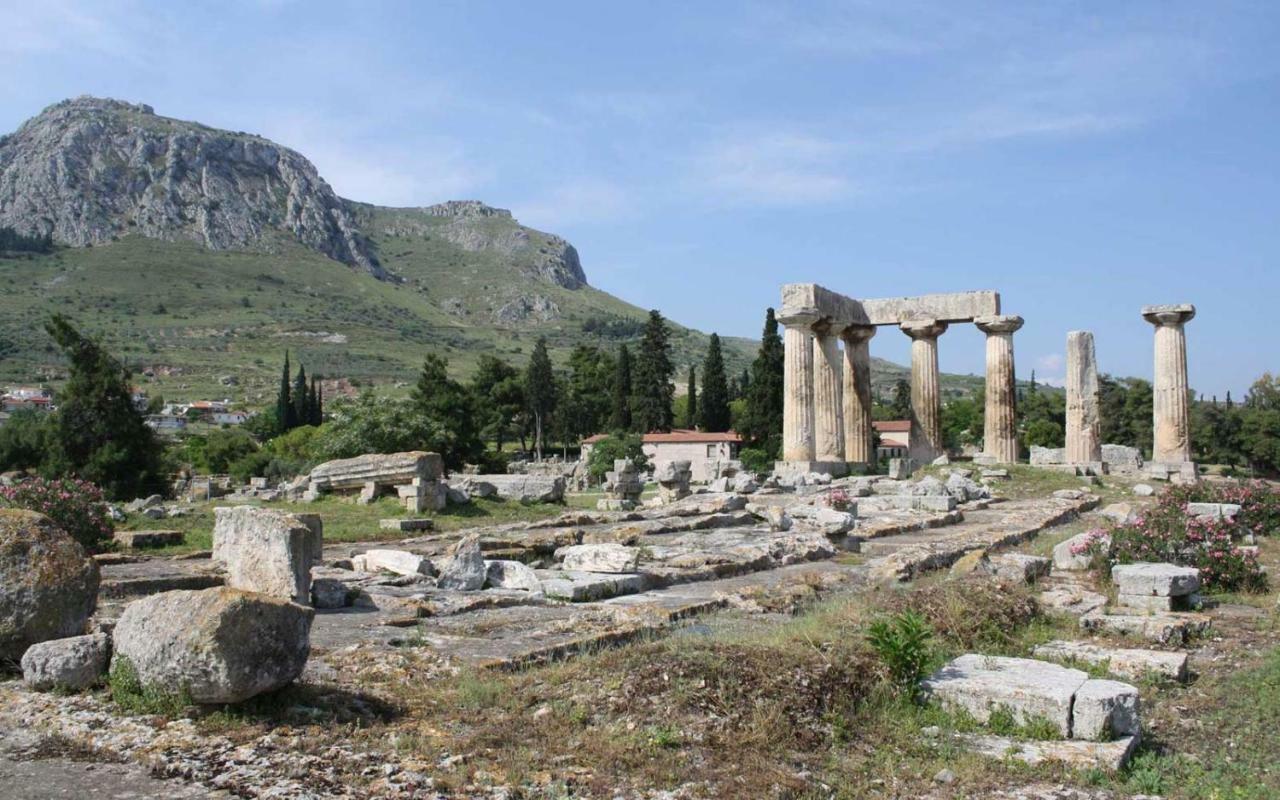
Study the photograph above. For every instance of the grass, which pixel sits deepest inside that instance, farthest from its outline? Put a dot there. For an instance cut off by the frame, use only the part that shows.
(346, 521)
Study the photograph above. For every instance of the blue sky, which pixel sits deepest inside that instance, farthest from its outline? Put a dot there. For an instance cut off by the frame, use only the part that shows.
(1083, 158)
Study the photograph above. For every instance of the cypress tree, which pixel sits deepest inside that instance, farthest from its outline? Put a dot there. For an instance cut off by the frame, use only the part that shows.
(285, 416)
(691, 408)
(762, 419)
(715, 390)
(313, 405)
(301, 409)
(540, 391)
(620, 417)
(319, 404)
(651, 409)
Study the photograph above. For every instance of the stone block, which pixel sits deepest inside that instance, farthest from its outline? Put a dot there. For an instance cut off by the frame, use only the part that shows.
(329, 593)
(136, 540)
(527, 488)
(1105, 710)
(1168, 628)
(1028, 689)
(1213, 511)
(511, 575)
(1107, 756)
(1143, 490)
(1142, 603)
(465, 570)
(581, 587)
(268, 551)
(1119, 513)
(1019, 567)
(1160, 580)
(900, 469)
(1134, 664)
(779, 520)
(1042, 456)
(407, 525)
(74, 663)
(608, 557)
(995, 474)
(614, 504)
(401, 562)
(1065, 559)
(380, 469)
(1120, 458)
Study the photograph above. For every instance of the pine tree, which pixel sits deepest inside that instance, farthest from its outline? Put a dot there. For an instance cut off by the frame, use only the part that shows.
(286, 419)
(448, 412)
(651, 409)
(901, 407)
(620, 416)
(301, 408)
(715, 390)
(540, 392)
(691, 408)
(762, 417)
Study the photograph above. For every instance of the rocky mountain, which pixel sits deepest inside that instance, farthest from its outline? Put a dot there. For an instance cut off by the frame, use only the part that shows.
(90, 170)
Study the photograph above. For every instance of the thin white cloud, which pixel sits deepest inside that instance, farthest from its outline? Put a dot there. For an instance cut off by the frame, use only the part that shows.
(60, 26)
(772, 169)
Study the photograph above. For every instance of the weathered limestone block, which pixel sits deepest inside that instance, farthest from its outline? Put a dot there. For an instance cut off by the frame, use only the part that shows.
(581, 587)
(833, 522)
(511, 575)
(48, 585)
(900, 469)
(673, 479)
(1126, 662)
(1156, 580)
(778, 518)
(391, 469)
(1143, 604)
(401, 562)
(329, 593)
(1174, 629)
(1065, 559)
(1019, 567)
(527, 488)
(407, 525)
(421, 494)
(745, 483)
(1107, 756)
(75, 663)
(268, 551)
(218, 645)
(1121, 459)
(1029, 689)
(1044, 456)
(475, 486)
(1119, 513)
(1213, 511)
(135, 540)
(612, 558)
(465, 570)
(1105, 710)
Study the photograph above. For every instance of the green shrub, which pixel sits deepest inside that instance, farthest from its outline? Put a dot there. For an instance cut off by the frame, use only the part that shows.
(75, 506)
(128, 692)
(756, 460)
(903, 642)
(613, 447)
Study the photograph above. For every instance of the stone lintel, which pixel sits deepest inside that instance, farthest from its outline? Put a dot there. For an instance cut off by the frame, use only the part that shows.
(809, 301)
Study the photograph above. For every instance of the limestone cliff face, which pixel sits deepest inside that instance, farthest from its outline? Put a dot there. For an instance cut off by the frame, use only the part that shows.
(90, 169)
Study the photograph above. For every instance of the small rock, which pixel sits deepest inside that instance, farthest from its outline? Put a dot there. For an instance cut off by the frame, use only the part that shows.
(74, 663)
(945, 776)
(1143, 490)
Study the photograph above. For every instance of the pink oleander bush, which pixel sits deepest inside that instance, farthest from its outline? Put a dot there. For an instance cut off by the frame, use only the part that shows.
(1259, 502)
(1165, 533)
(74, 505)
(839, 499)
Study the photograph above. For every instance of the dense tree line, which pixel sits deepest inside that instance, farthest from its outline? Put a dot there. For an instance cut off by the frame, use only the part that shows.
(13, 242)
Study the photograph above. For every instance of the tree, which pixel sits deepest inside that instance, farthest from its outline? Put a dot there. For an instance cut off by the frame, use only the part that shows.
(97, 434)
(301, 399)
(715, 390)
(449, 412)
(24, 440)
(1260, 425)
(613, 448)
(586, 392)
(762, 417)
(900, 408)
(691, 401)
(620, 415)
(651, 406)
(539, 391)
(286, 414)
(499, 391)
(371, 424)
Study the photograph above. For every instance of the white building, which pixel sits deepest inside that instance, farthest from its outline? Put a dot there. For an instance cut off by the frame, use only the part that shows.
(702, 450)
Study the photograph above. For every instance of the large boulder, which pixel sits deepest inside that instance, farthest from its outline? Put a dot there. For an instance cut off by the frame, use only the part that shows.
(48, 584)
(217, 645)
(465, 570)
(75, 663)
(269, 551)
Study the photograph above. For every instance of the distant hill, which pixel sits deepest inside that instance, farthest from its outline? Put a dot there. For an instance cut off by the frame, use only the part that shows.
(200, 255)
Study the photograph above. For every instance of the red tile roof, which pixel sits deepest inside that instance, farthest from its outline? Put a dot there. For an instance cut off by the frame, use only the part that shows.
(893, 425)
(679, 436)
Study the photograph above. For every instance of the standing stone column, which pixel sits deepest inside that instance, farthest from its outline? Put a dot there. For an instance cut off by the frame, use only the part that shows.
(925, 440)
(1000, 429)
(1171, 415)
(828, 414)
(859, 437)
(797, 397)
(1084, 426)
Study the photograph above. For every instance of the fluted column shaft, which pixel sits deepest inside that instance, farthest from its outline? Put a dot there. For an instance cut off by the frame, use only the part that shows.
(925, 440)
(797, 378)
(1000, 428)
(1084, 424)
(1171, 415)
(859, 436)
(828, 413)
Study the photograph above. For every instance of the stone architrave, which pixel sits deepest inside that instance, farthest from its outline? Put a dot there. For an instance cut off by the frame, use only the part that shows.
(1000, 438)
(798, 442)
(1084, 432)
(1171, 415)
(925, 439)
(828, 411)
(859, 439)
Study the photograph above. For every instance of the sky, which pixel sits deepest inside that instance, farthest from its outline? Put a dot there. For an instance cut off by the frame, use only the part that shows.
(1082, 158)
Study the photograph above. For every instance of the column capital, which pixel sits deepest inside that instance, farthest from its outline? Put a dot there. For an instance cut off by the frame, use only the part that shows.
(854, 334)
(923, 328)
(798, 317)
(1169, 315)
(998, 323)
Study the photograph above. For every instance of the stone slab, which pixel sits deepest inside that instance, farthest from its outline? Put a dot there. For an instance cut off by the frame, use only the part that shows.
(1134, 664)
(1105, 710)
(818, 301)
(1107, 756)
(580, 587)
(141, 539)
(407, 525)
(1171, 628)
(1157, 580)
(1019, 567)
(1029, 689)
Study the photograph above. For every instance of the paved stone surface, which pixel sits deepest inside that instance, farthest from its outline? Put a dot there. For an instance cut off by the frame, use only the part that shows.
(1129, 663)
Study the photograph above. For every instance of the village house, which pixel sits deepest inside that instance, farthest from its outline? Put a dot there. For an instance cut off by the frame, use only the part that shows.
(701, 449)
(894, 435)
(20, 398)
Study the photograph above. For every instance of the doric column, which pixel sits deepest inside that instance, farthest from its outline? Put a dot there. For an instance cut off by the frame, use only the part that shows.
(1000, 429)
(828, 414)
(797, 397)
(859, 437)
(926, 395)
(1084, 425)
(1171, 415)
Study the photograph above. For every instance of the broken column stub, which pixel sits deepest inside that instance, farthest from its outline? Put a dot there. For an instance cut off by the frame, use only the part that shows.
(268, 551)
(1084, 425)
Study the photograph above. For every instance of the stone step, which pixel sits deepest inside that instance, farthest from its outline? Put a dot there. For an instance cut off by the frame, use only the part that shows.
(1127, 663)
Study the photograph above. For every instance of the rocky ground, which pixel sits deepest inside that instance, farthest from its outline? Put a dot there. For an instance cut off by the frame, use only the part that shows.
(730, 663)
